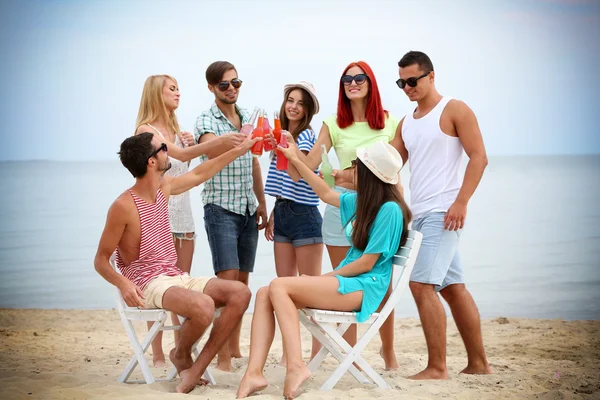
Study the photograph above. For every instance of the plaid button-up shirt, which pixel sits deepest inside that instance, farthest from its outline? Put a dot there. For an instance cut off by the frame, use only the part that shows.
(231, 188)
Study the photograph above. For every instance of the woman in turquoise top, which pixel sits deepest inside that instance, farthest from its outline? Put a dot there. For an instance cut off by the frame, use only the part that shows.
(360, 121)
(375, 219)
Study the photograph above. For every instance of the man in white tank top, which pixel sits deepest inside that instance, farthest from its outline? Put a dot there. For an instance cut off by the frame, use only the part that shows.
(432, 138)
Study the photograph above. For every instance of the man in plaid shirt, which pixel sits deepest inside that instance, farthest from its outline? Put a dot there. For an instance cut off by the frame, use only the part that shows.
(232, 216)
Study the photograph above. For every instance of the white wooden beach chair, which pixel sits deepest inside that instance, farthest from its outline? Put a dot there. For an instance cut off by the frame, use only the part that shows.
(159, 317)
(323, 324)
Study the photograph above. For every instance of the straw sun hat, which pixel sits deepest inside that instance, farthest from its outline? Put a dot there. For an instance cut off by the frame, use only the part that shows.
(383, 160)
(310, 89)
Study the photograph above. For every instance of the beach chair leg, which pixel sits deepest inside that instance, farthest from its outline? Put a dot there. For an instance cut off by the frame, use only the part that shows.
(317, 330)
(352, 356)
(139, 350)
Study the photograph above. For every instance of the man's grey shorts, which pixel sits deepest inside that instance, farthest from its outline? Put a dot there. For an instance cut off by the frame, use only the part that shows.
(438, 262)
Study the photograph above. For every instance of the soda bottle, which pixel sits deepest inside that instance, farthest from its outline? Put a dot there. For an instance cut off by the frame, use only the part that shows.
(277, 127)
(257, 148)
(326, 168)
(282, 161)
(248, 127)
(267, 144)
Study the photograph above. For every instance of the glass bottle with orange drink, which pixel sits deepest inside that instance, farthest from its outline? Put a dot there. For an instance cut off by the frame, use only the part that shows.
(277, 127)
(257, 148)
(267, 144)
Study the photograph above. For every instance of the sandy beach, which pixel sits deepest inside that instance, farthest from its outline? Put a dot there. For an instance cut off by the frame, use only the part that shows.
(52, 354)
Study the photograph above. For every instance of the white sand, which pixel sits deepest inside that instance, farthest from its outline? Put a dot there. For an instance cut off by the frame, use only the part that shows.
(51, 354)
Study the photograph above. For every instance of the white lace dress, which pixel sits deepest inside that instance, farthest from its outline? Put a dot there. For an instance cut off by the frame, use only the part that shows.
(180, 207)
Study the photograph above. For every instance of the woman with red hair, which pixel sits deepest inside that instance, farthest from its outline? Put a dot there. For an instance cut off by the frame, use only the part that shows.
(360, 121)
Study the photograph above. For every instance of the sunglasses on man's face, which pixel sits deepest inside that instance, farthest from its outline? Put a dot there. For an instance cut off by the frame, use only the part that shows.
(224, 85)
(359, 79)
(412, 82)
(162, 147)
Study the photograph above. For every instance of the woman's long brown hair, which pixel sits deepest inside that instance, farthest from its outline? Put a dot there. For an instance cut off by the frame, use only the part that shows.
(372, 193)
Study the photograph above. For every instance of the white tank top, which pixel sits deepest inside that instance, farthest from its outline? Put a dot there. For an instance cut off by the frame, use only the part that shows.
(434, 159)
(180, 206)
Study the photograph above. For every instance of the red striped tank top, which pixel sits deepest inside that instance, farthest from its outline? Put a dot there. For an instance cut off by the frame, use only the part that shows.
(157, 251)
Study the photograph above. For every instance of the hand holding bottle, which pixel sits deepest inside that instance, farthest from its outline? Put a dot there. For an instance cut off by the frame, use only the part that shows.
(288, 147)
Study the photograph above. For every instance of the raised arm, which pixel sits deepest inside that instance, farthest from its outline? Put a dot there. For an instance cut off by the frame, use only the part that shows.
(116, 221)
(206, 170)
(191, 152)
(313, 158)
(322, 190)
(220, 144)
(467, 130)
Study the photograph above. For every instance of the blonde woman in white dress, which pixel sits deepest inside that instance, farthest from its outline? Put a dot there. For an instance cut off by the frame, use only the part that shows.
(160, 99)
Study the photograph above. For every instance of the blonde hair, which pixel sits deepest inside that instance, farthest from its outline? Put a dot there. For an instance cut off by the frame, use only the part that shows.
(152, 105)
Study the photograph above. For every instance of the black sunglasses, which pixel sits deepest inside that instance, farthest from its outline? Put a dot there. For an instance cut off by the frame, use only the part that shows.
(412, 82)
(224, 85)
(359, 79)
(162, 147)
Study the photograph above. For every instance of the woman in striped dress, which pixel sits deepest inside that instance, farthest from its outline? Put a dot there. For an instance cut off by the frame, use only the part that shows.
(295, 222)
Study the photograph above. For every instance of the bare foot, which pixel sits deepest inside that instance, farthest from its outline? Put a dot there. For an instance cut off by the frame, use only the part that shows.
(159, 362)
(293, 379)
(236, 354)
(283, 361)
(224, 366)
(188, 382)
(251, 384)
(389, 359)
(430, 373)
(477, 369)
(181, 363)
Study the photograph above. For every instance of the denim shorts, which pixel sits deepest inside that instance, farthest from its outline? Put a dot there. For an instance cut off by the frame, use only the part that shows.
(297, 223)
(438, 262)
(232, 238)
(178, 236)
(333, 231)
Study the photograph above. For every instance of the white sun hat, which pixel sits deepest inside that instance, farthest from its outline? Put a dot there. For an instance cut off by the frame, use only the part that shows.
(310, 89)
(383, 160)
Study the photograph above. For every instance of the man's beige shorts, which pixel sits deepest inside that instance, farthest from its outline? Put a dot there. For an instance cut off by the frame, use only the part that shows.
(153, 293)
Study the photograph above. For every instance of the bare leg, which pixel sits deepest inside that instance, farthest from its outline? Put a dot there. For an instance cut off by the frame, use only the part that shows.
(386, 332)
(288, 294)
(433, 320)
(199, 310)
(336, 256)
(233, 299)
(224, 356)
(234, 341)
(466, 316)
(185, 253)
(310, 261)
(158, 356)
(285, 265)
(261, 338)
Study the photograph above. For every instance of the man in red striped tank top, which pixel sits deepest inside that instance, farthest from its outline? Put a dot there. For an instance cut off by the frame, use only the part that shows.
(137, 226)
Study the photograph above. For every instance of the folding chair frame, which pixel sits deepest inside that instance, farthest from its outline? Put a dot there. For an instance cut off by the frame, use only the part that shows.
(159, 317)
(322, 324)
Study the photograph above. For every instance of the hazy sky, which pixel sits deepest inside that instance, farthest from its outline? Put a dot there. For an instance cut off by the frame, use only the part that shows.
(74, 70)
